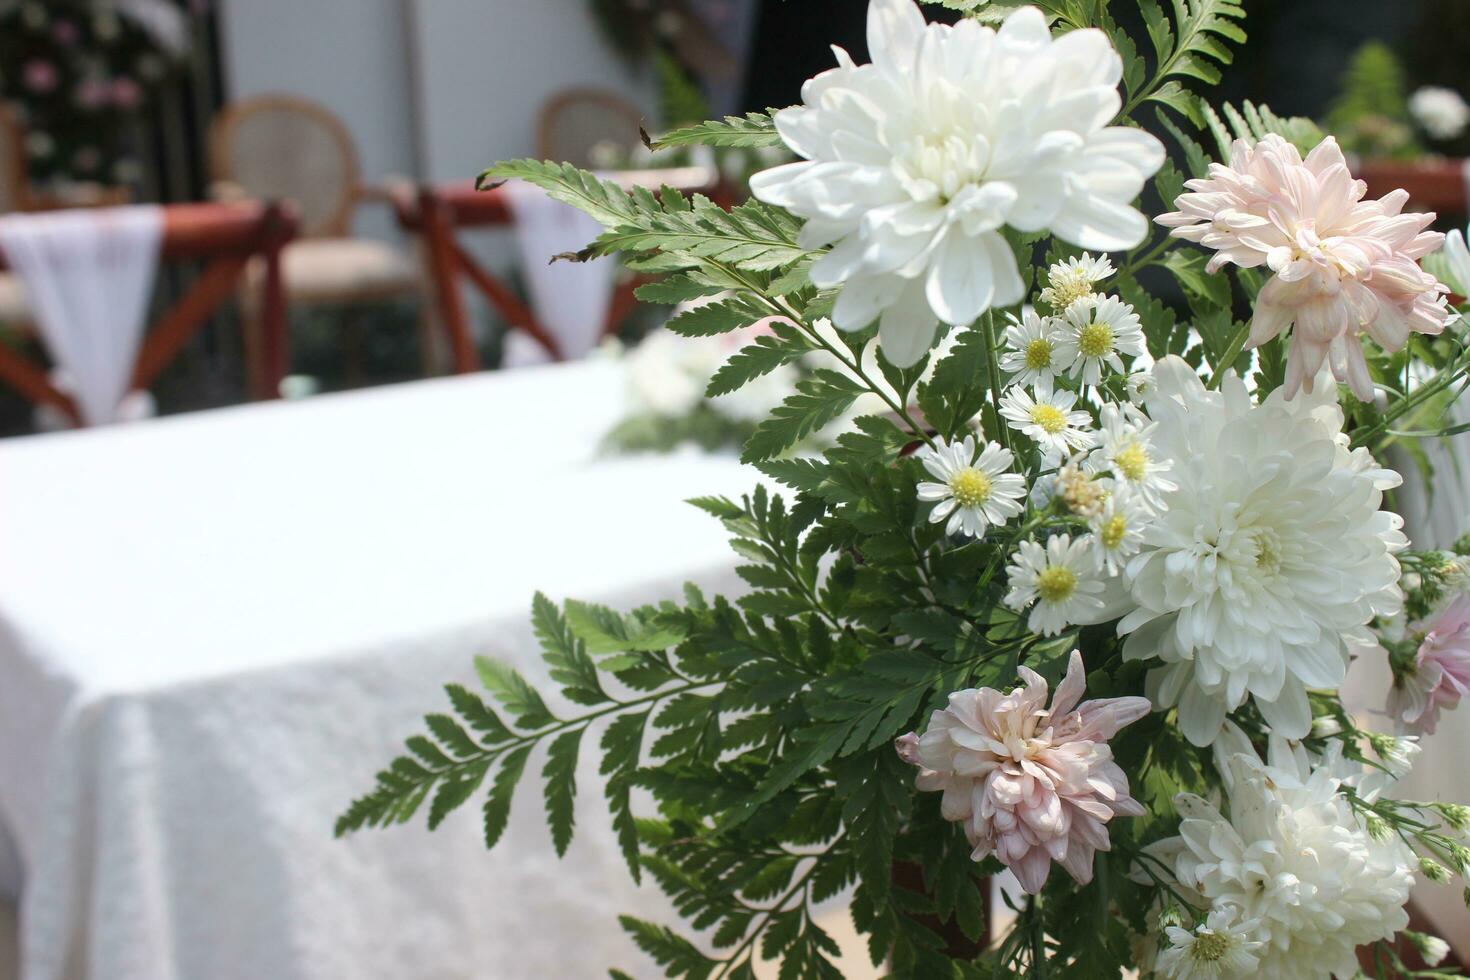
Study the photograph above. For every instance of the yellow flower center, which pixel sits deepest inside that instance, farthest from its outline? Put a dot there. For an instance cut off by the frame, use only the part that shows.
(1113, 530)
(1050, 418)
(970, 487)
(1038, 354)
(1095, 340)
(1132, 461)
(1067, 288)
(1209, 947)
(1056, 583)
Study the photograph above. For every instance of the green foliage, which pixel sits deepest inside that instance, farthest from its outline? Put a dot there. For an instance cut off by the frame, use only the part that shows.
(1371, 114)
(1251, 122)
(1191, 45)
(753, 130)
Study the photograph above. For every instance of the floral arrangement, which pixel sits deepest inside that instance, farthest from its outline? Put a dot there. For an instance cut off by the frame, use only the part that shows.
(82, 73)
(1073, 602)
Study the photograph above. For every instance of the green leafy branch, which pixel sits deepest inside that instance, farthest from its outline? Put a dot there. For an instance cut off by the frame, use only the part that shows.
(1191, 45)
(753, 130)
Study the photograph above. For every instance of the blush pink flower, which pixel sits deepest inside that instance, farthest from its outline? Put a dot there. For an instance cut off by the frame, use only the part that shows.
(1343, 266)
(1441, 674)
(1031, 785)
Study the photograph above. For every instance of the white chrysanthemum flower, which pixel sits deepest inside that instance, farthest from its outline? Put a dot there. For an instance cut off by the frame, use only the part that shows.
(1271, 556)
(915, 163)
(1441, 111)
(1126, 450)
(1030, 351)
(1092, 335)
(1048, 419)
(1220, 948)
(972, 493)
(1117, 528)
(1061, 578)
(1293, 857)
(1074, 279)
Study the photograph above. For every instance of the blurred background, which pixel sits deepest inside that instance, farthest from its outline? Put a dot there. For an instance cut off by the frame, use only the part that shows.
(339, 105)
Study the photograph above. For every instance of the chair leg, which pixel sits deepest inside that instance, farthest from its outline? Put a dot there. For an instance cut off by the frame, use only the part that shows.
(252, 342)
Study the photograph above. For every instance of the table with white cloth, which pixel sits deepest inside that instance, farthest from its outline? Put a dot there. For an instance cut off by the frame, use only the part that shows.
(215, 628)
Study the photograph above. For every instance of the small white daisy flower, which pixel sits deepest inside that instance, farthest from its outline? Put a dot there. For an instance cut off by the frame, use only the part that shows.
(1030, 353)
(1049, 420)
(973, 493)
(1127, 451)
(1117, 529)
(1074, 279)
(1140, 385)
(1220, 947)
(1060, 577)
(1092, 335)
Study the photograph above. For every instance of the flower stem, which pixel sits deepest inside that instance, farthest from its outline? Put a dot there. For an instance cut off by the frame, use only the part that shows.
(992, 368)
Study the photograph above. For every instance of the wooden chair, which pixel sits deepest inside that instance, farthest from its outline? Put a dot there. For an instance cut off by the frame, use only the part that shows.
(14, 196)
(574, 121)
(281, 147)
(227, 237)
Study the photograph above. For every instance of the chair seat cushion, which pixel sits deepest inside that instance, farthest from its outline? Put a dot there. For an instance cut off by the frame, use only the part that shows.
(15, 307)
(327, 270)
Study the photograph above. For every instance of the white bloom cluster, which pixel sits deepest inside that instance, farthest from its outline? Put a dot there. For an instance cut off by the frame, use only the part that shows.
(1095, 454)
(1292, 877)
(914, 165)
(1272, 554)
(1441, 111)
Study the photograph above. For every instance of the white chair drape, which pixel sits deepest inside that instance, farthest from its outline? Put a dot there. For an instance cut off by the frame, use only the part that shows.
(571, 299)
(88, 274)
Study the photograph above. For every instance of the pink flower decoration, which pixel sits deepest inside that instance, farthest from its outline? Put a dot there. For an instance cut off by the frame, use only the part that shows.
(40, 76)
(126, 93)
(1343, 266)
(1031, 785)
(1441, 670)
(91, 93)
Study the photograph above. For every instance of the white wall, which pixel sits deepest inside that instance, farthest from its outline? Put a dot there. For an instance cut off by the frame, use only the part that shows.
(350, 55)
(483, 69)
(436, 89)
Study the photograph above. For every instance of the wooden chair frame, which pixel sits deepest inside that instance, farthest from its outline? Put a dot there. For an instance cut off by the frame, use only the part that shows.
(19, 190)
(222, 134)
(227, 236)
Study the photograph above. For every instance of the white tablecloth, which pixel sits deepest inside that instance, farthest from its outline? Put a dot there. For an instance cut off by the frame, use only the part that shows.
(214, 628)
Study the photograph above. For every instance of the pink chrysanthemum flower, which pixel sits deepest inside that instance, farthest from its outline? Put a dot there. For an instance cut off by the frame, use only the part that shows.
(1441, 674)
(1343, 266)
(1031, 785)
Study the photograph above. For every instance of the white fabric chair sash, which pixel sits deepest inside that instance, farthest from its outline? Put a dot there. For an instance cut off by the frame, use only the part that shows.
(571, 299)
(89, 274)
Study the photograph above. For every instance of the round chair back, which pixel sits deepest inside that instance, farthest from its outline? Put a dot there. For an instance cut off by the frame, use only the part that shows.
(572, 122)
(285, 148)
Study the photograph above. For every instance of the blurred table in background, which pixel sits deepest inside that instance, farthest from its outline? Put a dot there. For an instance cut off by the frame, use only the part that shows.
(216, 627)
